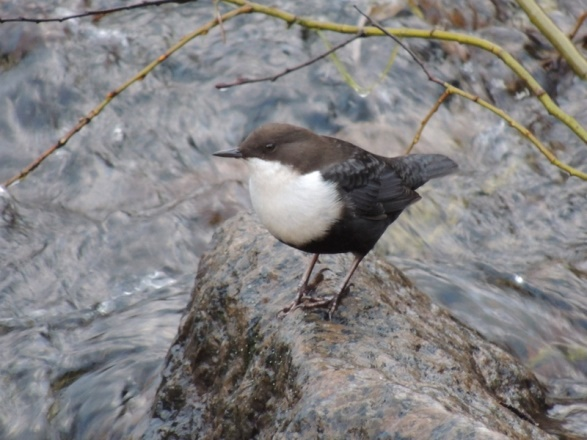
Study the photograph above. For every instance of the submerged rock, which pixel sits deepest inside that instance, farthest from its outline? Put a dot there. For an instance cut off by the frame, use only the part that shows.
(390, 365)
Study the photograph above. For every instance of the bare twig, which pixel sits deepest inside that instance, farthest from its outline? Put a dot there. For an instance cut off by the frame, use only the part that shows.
(433, 110)
(272, 78)
(220, 23)
(578, 25)
(450, 89)
(90, 13)
(111, 95)
(535, 88)
(404, 47)
(247, 6)
(420, 63)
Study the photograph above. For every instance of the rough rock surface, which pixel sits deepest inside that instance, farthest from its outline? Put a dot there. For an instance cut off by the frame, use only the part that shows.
(390, 365)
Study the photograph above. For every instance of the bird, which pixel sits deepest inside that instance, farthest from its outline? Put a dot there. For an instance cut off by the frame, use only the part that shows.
(324, 195)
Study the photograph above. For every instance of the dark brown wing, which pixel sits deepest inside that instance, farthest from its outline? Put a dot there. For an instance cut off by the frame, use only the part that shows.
(373, 188)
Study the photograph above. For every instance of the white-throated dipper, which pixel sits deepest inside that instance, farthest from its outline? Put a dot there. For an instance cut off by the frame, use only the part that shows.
(323, 195)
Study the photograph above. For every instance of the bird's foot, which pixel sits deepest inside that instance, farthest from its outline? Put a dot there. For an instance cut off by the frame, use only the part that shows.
(328, 303)
(311, 302)
(333, 304)
(306, 302)
(304, 298)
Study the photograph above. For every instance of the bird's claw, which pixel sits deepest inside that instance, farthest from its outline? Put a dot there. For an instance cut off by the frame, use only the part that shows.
(308, 303)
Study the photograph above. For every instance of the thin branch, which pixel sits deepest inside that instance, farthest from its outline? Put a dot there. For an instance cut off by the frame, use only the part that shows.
(498, 51)
(249, 7)
(220, 23)
(90, 13)
(523, 130)
(111, 95)
(557, 38)
(404, 47)
(450, 89)
(424, 122)
(578, 25)
(272, 78)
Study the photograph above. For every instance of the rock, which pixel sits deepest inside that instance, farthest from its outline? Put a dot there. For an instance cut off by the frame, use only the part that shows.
(390, 365)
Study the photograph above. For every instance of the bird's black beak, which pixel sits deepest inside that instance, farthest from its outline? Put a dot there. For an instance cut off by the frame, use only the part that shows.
(234, 153)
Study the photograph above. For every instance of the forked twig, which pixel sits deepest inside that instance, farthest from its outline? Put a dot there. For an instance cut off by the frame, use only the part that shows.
(450, 89)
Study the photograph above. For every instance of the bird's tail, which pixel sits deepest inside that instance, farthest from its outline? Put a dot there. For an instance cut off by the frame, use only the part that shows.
(417, 169)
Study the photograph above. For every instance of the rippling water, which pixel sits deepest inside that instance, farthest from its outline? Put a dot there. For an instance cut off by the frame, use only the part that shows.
(99, 246)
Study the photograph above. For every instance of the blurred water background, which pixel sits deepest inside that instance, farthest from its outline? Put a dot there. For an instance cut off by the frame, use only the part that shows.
(99, 246)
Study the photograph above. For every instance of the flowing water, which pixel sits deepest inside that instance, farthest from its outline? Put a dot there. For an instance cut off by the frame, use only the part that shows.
(99, 246)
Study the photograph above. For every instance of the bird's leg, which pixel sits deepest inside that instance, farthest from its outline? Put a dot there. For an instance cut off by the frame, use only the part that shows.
(303, 287)
(307, 299)
(344, 285)
(330, 302)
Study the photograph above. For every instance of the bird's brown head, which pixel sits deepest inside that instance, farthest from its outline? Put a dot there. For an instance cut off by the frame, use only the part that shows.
(288, 144)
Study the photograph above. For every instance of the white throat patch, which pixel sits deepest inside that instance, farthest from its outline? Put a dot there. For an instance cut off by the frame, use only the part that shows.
(295, 208)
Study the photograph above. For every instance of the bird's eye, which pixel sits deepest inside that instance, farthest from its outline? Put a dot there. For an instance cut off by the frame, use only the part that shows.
(269, 147)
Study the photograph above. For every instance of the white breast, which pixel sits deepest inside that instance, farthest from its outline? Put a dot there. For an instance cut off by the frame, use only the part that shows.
(295, 208)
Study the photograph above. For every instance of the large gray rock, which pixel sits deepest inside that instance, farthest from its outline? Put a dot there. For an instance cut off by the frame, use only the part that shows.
(391, 364)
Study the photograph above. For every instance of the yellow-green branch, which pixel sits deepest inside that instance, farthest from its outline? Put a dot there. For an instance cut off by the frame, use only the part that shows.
(523, 130)
(495, 49)
(556, 37)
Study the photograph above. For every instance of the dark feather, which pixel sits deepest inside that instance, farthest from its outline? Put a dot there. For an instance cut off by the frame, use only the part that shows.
(417, 169)
(374, 189)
